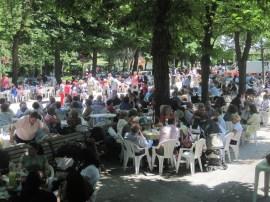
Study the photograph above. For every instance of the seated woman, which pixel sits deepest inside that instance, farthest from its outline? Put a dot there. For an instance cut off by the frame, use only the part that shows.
(73, 119)
(136, 136)
(35, 161)
(253, 122)
(169, 132)
(237, 128)
(36, 107)
(87, 111)
(52, 121)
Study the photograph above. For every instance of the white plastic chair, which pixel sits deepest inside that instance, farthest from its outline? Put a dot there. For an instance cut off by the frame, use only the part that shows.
(168, 149)
(133, 151)
(226, 149)
(190, 155)
(235, 148)
(50, 178)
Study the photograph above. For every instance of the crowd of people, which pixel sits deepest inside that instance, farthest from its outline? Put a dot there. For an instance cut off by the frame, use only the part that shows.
(132, 102)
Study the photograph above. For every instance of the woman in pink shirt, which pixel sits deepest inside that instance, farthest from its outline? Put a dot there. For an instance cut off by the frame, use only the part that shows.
(169, 132)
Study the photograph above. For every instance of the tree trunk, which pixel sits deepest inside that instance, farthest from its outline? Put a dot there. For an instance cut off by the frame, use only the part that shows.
(136, 60)
(15, 57)
(94, 64)
(207, 48)
(160, 52)
(242, 59)
(145, 65)
(57, 64)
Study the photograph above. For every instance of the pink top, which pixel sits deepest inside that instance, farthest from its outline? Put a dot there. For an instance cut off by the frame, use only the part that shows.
(170, 132)
(5, 82)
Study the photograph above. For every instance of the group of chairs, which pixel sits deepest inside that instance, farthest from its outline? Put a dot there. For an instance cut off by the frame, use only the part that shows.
(174, 156)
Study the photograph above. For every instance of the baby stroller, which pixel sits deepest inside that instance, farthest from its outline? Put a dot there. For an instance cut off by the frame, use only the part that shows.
(214, 157)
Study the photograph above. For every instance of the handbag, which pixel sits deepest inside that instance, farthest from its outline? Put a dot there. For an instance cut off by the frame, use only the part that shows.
(185, 140)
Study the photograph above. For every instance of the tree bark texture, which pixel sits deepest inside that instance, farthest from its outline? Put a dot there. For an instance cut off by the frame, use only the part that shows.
(160, 52)
(94, 64)
(242, 58)
(57, 64)
(207, 48)
(136, 60)
(15, 57)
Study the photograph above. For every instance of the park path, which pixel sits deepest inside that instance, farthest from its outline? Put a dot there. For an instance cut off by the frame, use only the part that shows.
(234, 184)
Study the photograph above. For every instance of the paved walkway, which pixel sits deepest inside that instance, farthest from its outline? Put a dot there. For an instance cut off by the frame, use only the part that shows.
(234, 184)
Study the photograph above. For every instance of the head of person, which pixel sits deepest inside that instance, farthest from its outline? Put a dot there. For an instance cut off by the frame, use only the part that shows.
(52, 100)
(75, 187)
(76, 98)
(5, 107)
(35, 106)
(232, 109)
(58, 105)
(32, 183)
(135, 128)
(51, 111)
(253, 109)
(73, 113)
(33, 117)
(39, 98)
(23, 106)
(235, 118)
(171, 120)
(99, 98)
(109, 103)
(68, 98)
(35, 149)
(201, 107)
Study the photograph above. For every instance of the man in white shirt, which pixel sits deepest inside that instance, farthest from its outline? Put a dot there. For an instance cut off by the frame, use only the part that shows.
(26, 128)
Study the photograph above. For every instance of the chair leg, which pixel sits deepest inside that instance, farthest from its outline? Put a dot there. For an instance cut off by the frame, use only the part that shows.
(229, 155)
(257, 175)
(149, 161)
(192, 167)
(160, 162)
(266, 183)
(153, 158)
(137, 160)
(125, 162)
(200, 163)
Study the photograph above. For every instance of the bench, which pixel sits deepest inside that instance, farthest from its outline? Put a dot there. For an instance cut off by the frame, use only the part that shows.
(51, 145)
(15, 152)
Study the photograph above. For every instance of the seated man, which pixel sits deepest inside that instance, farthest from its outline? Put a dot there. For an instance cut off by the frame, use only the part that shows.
(27, 128)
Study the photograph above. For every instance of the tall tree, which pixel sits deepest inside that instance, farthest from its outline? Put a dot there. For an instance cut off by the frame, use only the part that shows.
(160, 51)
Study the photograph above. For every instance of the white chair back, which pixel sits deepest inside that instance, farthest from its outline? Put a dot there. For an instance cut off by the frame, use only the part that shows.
(228, 138)
(168, 147)
(229, 125)
(129, 148)
(199, 145)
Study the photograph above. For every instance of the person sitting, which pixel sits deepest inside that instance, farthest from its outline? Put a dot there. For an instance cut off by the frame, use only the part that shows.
(237, 128)
(6, 115)
(51, 103)
(76, 188)
(52, 121)
(73, 119)
(35, 160)
(32, 192)
(136, 136)
(68, 100)
(169, 132)
(232, 109)
(26, 129)
(39, 100)
(110, 107)
(253, 122)
(88, 110)
(60, 113)
(36, 107)
(125, 105)
(98, 106)
(23, 110)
